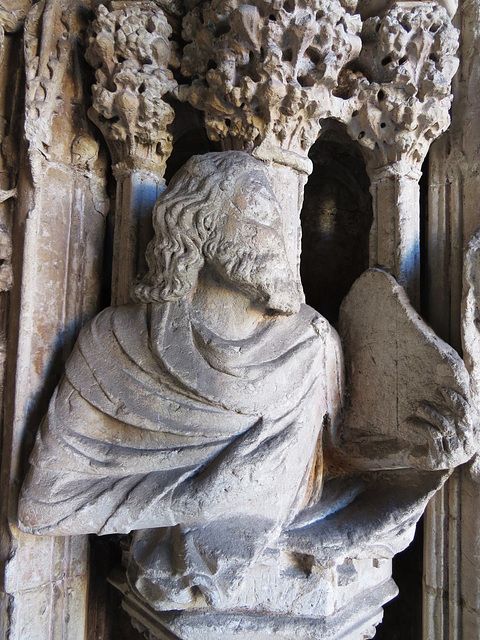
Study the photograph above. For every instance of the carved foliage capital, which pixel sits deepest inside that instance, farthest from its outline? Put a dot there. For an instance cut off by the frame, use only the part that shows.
(404, 91)
(130, 49)
(265, 71)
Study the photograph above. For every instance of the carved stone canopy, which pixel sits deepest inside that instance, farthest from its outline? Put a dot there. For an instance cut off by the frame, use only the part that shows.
(264, 73)
(404, 91)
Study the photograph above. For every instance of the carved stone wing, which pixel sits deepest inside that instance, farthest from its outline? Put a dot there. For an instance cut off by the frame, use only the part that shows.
(409, 403)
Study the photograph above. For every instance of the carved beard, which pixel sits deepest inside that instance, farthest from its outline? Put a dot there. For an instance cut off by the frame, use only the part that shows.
(265, 278)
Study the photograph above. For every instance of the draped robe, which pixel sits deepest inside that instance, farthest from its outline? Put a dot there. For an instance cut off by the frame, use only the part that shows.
(159, 422)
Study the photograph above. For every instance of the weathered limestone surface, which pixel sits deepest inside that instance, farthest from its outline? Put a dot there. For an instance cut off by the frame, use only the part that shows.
(408, 61)
(58, 230)
(404, 94)
(459, 500)
(267, 495)
(195, 419)
(418, 437)
(130, 48)
(451, 569)
(266, 73)
(10, 23)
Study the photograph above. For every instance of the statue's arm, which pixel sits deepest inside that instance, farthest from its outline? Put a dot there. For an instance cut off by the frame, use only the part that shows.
(92, 473)
(80, 482)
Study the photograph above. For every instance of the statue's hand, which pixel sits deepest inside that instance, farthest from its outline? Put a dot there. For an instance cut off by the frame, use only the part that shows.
(444, 429)
(410, 394)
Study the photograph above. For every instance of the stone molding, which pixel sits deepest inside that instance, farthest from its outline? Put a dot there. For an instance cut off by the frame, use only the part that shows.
(11, 20)
(130, 49)
(44, 72)
(266, 73)
(404, 91)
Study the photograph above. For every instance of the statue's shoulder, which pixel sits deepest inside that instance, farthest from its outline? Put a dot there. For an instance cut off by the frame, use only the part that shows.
(312, 319)
(104, 340)
(106, 321)
(113, 324)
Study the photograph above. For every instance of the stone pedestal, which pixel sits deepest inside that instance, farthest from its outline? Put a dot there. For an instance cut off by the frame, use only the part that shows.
(350, 623)
(325, 581)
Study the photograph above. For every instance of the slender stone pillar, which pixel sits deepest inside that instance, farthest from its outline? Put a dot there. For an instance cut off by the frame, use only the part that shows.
(452, 545)
(130, 49)
(395, 232)
(403, 98)
(288, 173)
(137, 191)
(58, 230)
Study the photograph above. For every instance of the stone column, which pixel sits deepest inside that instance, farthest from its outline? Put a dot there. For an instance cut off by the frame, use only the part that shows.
(452, 524)
(395, 232)
(403, 93)
(265, 77)
(58, 230)
(288, 176)
(130, 49)
(10, 23)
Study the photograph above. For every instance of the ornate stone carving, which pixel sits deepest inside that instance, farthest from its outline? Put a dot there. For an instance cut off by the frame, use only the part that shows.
(369, 8)
(11, 19)
(265, 72)
(207, 417)
(130, 49)
(45, 71)
(404, 95)
(402, 90)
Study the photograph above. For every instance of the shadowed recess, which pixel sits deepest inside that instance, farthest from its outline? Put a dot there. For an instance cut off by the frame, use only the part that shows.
(336, 219)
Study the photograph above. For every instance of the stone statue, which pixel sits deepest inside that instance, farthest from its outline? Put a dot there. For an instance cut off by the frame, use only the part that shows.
(208, 417)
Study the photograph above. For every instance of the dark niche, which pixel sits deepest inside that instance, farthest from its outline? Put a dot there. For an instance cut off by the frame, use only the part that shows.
(336, 219)
(189, 137)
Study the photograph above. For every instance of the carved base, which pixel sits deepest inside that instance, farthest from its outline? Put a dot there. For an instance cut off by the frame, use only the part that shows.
(355, 621)
(325, 581)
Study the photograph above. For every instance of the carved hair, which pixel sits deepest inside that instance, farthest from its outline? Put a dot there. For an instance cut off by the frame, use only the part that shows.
(186, 221)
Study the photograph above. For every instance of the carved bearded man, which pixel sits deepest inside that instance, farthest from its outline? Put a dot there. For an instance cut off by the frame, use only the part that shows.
(196, 413)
